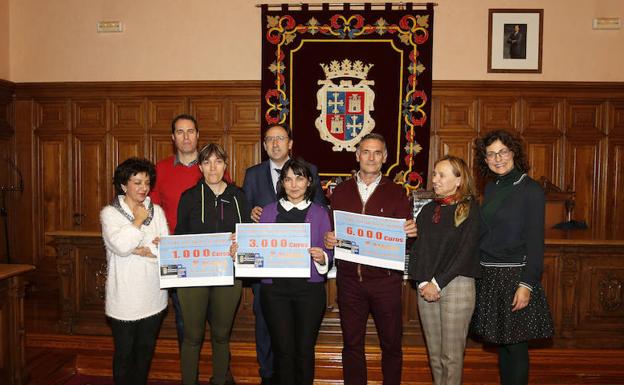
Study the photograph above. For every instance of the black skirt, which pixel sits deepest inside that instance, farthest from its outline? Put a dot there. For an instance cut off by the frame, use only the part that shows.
(494, 322)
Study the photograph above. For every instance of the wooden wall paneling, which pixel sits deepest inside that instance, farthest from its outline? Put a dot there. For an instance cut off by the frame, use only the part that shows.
(544, 157)
(569, 294)
(457, 144)
(616, 119)
(89, 116)
(210, 114)
(244, 151)
(454, 127)
(245, 116)
(457, 114)
(551, 284)
(332, 297)
(244, 136)
(7, 178)
(52, 199)
(128, 114)
(160, 146)
(12, 329)
(542, 116)
(7, 153)
(411, 321)
(7, 175)
(53, 166)
(600, 308)
(52, 114)
(615, 188)
(583, 172)
(92, 182)
(91, 287)
(162, 110)
(6, 364)
(498, 113)
(6, 106)
(127, 145)
(25, 225)
(585, 117)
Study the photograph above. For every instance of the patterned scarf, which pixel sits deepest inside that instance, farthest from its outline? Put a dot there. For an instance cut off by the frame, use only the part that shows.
(461, 211)
(117, 205)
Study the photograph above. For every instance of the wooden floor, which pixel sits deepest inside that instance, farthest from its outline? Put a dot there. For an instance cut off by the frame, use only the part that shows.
(54, 357)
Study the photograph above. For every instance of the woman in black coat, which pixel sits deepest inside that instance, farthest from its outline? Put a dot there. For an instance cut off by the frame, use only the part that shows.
(511, 306)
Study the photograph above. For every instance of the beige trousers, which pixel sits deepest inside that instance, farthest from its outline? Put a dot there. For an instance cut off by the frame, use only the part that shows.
(445, 324)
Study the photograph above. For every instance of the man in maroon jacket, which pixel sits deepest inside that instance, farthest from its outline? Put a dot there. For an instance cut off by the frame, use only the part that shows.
(362, 289)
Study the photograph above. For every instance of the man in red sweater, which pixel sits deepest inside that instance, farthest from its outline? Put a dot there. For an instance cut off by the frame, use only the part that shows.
(174, 175)
(362, 289)
(178, 172)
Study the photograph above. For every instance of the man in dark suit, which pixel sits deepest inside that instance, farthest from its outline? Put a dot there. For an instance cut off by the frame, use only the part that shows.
(516, 44)
(259, 186)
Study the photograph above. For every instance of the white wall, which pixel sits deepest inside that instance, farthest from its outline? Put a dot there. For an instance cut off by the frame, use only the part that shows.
(220, 40)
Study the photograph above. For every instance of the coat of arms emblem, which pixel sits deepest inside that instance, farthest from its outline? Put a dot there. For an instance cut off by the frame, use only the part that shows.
(345, 107)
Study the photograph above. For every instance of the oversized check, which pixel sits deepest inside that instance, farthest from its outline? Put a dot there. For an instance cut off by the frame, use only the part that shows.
(195, 260)
(370, 240)
(270, 250)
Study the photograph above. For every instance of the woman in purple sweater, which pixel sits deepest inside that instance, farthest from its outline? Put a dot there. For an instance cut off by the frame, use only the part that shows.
(294, 307)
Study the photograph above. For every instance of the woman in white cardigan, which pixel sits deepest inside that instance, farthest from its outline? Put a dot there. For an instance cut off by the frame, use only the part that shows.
(134, 301)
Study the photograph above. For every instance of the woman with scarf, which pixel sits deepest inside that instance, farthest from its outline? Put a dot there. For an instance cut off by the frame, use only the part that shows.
(211, 206)
(131, 225)
(511, 306)
(444, 261)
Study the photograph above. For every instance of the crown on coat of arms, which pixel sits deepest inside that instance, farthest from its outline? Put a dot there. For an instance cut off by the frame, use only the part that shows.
(346, 68)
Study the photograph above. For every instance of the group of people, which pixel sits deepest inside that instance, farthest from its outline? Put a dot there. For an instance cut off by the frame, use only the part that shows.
(454, 241)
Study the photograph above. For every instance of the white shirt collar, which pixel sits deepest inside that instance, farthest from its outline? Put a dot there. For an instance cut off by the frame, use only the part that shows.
(273, 165)
(288, 205)
(375, 182)
(364, 189)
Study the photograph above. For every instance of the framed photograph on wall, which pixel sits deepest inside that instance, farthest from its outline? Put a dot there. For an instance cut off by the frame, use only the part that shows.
(515, 40)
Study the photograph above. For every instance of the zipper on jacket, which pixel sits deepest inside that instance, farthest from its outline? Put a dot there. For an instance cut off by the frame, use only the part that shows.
(359, 266)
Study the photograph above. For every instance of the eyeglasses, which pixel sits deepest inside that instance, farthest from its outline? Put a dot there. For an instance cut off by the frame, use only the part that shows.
(503, 153)
(280, 138)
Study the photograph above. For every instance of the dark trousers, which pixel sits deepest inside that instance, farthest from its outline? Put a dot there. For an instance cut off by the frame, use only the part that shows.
(513, 363)
(293, 309)
(380, 297)
(264, 352)
(134, 347)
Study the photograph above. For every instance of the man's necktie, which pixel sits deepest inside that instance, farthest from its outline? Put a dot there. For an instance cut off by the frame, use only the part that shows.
(279, 172)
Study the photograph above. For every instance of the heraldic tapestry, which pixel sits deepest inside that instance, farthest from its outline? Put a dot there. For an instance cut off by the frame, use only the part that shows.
(335, 75)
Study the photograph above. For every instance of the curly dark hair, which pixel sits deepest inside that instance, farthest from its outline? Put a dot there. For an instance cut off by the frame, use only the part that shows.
(129, 168)
(299, 167)
(512, 141)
